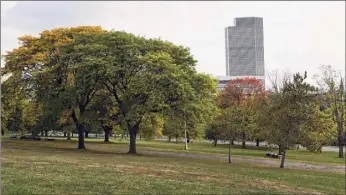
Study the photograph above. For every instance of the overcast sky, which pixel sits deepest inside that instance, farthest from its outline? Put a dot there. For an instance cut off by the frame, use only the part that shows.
(298, 36)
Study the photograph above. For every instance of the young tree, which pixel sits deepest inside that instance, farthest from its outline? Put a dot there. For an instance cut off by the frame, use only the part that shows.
(231, 123)
(288, 110)
(317, 131)
(334, 93)
(249, 94)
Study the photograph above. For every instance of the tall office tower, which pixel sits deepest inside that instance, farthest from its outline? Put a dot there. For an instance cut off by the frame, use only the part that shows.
(244, 48)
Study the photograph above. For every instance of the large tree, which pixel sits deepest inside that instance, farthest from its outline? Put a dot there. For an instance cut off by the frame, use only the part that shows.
(38, 62)
(143, 76)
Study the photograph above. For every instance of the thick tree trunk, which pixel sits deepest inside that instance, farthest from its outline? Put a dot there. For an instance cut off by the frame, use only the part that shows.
(283, 157)
(69, 136)
(46, 133)
(257, 142)
(86, 134)
(122, 136)
(133, 135)
(176, 139)
(229, 152)
(232, 142)
(2, 132)
(106, 135)
(215, 142)
(42, 133)
(65, 134)
(169, 139)
(72, 134)
(81, 136)
(80, 129)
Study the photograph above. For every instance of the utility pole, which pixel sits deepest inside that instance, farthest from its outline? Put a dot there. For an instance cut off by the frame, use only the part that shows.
(185, 132)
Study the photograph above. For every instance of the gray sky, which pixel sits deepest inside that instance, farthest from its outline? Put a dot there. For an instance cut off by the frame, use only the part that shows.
(298, 36)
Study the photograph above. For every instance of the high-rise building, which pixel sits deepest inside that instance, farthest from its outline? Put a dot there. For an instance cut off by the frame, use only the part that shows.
(244, 48)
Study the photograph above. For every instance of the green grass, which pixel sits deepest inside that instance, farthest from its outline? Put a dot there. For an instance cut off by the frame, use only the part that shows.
(41, 167)
(222, 150)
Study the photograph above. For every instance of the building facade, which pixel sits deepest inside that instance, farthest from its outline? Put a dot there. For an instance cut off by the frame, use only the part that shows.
(224, 80)
(244, 48)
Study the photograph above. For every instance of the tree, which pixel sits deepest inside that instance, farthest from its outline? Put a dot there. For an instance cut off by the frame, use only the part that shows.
(151, 126)
(144, 76)
(317, 131)
(83, 76)
(249, 94)
(215, 129)
(37, 61)
(289, 108)
(334, 99)
(231, 124)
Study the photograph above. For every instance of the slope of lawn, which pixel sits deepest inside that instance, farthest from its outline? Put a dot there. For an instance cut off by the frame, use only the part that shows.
(222, 150)
(42, 167)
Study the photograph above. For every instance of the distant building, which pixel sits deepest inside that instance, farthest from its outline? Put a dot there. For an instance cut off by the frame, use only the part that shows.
(224, 80)
(244, 49)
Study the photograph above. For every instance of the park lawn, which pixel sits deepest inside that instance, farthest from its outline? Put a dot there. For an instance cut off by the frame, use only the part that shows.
(222, 150)
(34, 167)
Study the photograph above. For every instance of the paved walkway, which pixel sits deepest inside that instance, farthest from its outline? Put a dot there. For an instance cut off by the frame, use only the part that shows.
(301, 165)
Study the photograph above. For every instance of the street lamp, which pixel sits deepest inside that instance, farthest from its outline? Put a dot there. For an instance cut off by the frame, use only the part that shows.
(185, 132)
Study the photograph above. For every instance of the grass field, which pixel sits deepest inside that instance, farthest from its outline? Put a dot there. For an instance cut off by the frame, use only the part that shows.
(222, 150)
(40, 167)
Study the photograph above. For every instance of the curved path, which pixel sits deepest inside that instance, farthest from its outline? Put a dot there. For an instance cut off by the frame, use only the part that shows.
(289, 164)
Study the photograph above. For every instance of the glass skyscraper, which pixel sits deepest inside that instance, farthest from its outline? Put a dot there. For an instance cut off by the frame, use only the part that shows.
(244, 48)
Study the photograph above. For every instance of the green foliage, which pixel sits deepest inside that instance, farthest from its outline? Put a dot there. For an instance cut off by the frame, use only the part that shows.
(317, 131)
(287, 110)
(151, 126)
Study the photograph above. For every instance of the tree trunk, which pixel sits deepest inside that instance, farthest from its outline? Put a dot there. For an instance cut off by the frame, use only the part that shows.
(229, 152)
(133, 134)
(280, 149)
(2, 132)
(243, 142)
(169, 139)
(46, 133)
(81, 136)
(257, 142)
(80, 129)
(215, 142)
(42, 133)
(122, 135)
(106, 135)
(341, 145)
(69, 136)
(86, 134)
(176, 139)
(232, 142)
(72, 134)
(140, 136)
(283, 157)
(65, 134)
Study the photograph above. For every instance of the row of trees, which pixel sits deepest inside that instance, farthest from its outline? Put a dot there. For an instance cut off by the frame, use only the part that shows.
(292, 112)
(87, 77)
